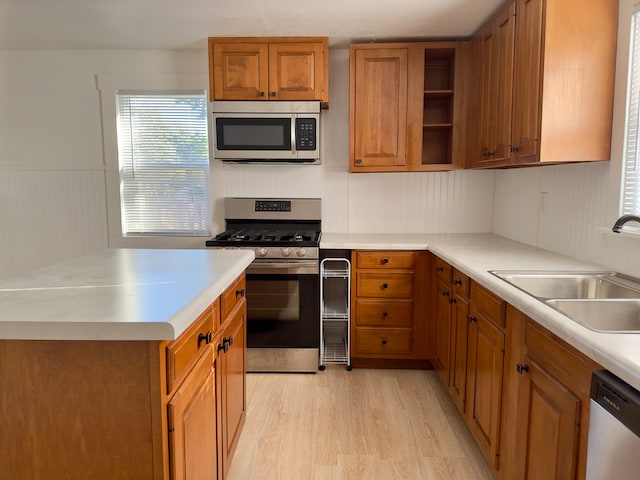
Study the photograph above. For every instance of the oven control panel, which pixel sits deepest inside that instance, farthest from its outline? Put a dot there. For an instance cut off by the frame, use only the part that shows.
(273, 205)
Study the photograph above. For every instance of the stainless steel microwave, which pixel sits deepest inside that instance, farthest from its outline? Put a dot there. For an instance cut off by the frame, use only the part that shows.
(266, 132)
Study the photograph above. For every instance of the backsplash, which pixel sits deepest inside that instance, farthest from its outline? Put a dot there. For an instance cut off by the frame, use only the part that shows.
(575, 208)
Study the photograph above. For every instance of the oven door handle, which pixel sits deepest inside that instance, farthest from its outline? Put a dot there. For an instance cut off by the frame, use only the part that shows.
(291, 268)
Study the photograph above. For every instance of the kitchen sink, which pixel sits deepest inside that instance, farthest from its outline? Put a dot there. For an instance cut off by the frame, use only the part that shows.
(560, 284)
(601, 301)
(609, 315)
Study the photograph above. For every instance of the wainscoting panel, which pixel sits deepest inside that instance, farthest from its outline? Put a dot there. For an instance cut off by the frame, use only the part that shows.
(50, 216)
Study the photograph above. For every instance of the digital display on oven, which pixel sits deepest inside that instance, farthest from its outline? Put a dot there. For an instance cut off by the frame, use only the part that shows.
(273, 205)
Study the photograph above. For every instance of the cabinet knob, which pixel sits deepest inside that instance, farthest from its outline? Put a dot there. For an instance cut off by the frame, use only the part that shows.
(522, 368)
(384, 341)
(439, 269)
(457, 282)
(358, 161)
(240, 293)
(385, 261)
(204, 337)
(385, 314)
(272, 94)
(472, 319)
(385, 286)
(453, 300)
(261, 94)
(445, 293)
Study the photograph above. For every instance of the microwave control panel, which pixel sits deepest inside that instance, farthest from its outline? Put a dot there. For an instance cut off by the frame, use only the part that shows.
(305, 133)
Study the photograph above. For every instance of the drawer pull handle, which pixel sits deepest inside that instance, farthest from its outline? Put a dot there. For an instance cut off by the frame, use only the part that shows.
(385, 261)
(204, 337)
(385, 314)
(240, 293)
(385, 286)
(384, 341)
(522, 368)
(457, 282)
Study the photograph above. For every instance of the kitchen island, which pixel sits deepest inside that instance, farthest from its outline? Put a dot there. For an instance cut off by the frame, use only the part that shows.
(120, 365)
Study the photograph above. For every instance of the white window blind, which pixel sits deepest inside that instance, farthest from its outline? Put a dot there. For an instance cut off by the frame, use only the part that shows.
(631, 175)
(164, 163)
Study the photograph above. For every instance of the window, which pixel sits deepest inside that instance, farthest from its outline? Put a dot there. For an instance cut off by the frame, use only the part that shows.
(630, 202)
(163, 161)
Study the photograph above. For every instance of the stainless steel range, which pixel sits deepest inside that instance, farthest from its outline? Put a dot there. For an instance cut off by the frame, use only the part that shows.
(283, 299)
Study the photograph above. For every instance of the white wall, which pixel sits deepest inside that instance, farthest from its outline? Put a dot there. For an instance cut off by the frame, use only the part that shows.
(52, 177)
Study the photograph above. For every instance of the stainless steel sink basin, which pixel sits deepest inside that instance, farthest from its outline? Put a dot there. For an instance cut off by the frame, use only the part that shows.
(601, 301)
(559, 284)
(611, 316)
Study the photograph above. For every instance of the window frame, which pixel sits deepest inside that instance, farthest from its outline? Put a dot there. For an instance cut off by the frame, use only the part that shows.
(108, 86)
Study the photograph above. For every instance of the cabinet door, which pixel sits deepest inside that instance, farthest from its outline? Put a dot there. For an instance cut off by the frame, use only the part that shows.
(458, 353)
(296, 71)
(528, 77)
(231, 381)
(484, 384)
(497, 53)
(379, 108)
(240, 71)
(442, 337)
(549, 416)
(192, 425)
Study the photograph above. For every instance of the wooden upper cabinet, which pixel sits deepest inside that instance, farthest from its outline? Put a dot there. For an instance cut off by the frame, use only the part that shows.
(495, 72)
(269, 68)
(379, 107)
(406, 104)
(547, 76)
(296, 71)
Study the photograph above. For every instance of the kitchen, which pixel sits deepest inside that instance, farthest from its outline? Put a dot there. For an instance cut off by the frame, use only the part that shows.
(64, 170)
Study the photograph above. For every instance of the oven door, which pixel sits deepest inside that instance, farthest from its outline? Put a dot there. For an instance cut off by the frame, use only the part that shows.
(283, 319)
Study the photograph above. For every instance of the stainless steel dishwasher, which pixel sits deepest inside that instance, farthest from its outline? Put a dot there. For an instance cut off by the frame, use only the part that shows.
(614, 429)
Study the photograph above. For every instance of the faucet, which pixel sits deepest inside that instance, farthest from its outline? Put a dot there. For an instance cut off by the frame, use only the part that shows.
(624, 219)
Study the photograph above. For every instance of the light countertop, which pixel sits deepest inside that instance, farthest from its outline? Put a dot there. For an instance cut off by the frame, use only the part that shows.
(477, 254)
(118, 294)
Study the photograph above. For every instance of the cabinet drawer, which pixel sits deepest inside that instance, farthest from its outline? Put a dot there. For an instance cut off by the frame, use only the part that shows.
(461, 284)
(183, 352)
(383, 341)
(442, 270)
(387, 260)
(385, 285)
(377, 313)
(232, 296)
(488, 304)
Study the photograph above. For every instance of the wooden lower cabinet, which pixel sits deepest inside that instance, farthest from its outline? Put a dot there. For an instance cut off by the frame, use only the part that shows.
(192, 425)
(485, 362)
(458, 351)
(549, 424)
(230, 381)
(389, 313)
(523, 392)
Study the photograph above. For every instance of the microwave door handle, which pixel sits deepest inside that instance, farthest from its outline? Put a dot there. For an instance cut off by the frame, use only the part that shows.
(293, 136)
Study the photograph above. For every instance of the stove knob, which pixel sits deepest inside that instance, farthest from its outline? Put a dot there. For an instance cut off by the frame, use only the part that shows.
(286, 252)
(301, 252)
(262, 252)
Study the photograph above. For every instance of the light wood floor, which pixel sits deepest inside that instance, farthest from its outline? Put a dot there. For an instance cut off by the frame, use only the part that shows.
(363, 424)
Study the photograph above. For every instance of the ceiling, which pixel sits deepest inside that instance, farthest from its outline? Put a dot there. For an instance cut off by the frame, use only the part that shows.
(186, 24)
